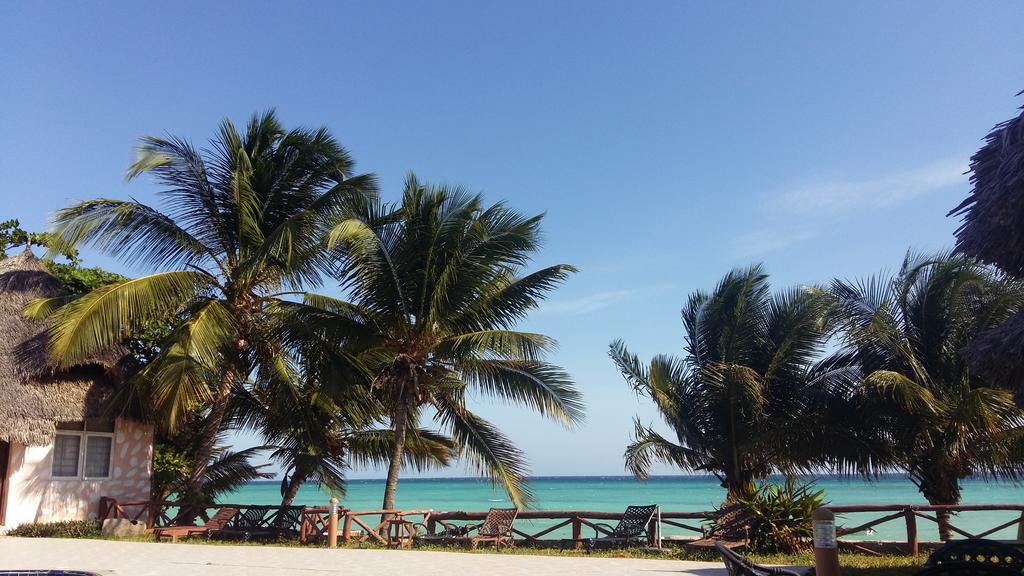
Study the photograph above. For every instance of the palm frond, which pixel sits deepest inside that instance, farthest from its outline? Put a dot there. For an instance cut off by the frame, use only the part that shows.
(107, 315)
(489, 451)
(545, 388)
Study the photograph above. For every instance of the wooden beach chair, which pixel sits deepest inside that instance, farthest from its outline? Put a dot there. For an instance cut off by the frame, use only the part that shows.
(731, 528)
(217, 522)
(633, 528)
(496, 528)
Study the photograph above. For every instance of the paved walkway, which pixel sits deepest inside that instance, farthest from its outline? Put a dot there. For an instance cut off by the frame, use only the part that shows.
(165, 559)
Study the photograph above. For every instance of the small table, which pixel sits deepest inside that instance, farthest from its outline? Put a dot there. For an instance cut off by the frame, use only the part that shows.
(400, 532)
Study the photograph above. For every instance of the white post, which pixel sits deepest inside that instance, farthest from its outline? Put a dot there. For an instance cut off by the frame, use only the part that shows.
(659, 527)
(826, 546)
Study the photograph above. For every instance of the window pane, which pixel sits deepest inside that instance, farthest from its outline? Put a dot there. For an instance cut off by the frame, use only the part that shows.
(97, 456)
(65, 455)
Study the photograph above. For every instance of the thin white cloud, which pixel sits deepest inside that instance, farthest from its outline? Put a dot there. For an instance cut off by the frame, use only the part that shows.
(840, 197)
(757, 242)
(803, 212)
(586, 304)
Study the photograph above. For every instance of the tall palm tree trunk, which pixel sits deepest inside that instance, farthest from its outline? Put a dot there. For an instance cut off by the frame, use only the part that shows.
(296, 481)
(211, 428)
(298, 478)
(397, 451)
(944, 489)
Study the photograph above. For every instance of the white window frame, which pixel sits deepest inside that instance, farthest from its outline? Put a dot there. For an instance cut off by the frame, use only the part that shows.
(83, 447)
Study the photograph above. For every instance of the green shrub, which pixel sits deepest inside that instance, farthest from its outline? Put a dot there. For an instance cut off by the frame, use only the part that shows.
(780, 515)
(69, 529)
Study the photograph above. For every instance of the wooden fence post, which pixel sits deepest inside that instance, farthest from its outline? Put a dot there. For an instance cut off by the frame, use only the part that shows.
(346, 529)
(577, 529)
(912, 542)
(151, 509)
(104, 508)
(1020, 527)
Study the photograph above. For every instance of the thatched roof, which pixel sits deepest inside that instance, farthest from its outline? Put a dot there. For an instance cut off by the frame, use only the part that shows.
(998, 354)
(34, 393)
(993, 213)
(993, 231)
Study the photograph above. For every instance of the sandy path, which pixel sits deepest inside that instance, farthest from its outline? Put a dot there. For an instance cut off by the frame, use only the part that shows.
(145, 559)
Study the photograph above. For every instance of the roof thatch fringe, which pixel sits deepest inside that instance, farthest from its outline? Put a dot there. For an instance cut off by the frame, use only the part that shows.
(34, 393)
(993, 213)
(997, 355)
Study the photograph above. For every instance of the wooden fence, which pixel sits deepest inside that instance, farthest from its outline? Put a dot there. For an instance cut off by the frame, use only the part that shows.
(353, 523)
(360, 525)
(158, 513)
(910, 514)
(352, 526)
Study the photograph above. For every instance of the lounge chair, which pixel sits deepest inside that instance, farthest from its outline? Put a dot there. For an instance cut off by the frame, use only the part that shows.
(496, 528)
(261, 523)
(978, 551)
(449, 534)
(633, 528)
(731, 529)
(217, 522)
(739, 566)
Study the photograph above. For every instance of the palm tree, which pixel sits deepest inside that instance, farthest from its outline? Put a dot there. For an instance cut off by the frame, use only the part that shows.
(735, 400)
(901, 339)
(315, 435)
(241, 229)
(226, 471)
(434, 287)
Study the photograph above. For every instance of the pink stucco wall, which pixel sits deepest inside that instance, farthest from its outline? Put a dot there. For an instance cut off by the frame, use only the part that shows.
(33, 496)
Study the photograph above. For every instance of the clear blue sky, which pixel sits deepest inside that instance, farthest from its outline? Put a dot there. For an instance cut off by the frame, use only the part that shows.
(667, 141)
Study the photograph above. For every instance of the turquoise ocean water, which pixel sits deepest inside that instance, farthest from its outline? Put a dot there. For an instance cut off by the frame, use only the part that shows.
(675, 493)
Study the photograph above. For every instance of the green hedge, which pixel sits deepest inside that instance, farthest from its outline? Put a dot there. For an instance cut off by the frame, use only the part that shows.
(69, 529)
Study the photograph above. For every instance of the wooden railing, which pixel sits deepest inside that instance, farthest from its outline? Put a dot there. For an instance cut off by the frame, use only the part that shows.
(576, 520)
(315, 518)
(353, 528)
(932, 514)
(546, 526)
(159, 513)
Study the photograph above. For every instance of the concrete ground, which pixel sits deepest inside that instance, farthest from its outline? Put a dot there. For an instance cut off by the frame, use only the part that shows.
(151, 559)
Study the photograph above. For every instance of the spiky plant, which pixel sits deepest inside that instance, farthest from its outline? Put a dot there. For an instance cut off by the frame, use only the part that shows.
(901, 339)
(734, 401)
(240, 229)
(435, 287)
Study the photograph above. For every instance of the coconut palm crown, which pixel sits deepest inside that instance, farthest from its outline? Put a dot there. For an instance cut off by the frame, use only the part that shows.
(900, 338)
(734, 401)
(240, 228)
(434, 287)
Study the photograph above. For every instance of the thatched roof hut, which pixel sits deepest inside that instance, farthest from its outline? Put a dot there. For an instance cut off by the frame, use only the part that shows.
(34, 393)
(993, 232)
